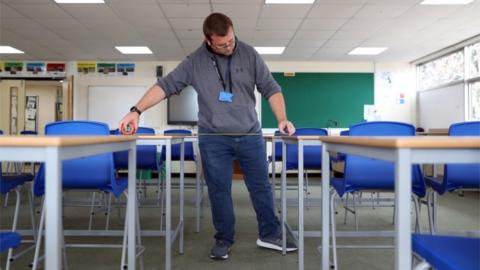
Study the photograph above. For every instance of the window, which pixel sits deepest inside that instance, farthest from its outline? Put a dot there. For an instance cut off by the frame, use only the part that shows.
(474, 100)
(449, 68)
(473, 60)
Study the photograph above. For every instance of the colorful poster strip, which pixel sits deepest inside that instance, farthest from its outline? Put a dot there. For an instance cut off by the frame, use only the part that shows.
(106, 68)
(2, 67)
(86, 67)
(36, 67)
(56, 67)
(13, 67)
(125, 68)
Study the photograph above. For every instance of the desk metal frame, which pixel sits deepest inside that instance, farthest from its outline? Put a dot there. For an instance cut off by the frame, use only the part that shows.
(403, 157)
(53, 155)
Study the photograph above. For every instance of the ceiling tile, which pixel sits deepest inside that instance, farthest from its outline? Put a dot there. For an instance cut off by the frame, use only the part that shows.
(278, 24)
(243, 10)
(35, 11)
(186, 23)
(334, 10)
(284, 11)
(322, 24)
(186, 10)
(385, 11)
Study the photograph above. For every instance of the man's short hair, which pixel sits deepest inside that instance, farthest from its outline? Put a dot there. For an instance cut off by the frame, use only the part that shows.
(216, 24)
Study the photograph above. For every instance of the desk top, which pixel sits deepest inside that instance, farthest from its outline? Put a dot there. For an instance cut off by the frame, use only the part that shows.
(60, 141)
(163, 137)
(443, 142)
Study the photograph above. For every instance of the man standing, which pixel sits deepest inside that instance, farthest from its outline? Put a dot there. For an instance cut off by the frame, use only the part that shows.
(224, 71)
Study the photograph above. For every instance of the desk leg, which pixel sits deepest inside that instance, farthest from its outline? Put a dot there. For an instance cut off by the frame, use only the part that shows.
(274, 177)
(53, 204)
(403, 189)
(325, 207)
(300, 207)
(284, 198)
(168, 210)
(182, 160)
(131, 205)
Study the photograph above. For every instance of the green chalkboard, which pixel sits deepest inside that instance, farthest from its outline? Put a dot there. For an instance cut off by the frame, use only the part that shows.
(319, 99)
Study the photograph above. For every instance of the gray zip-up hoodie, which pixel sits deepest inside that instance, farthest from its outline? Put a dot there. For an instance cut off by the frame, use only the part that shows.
(247, 71)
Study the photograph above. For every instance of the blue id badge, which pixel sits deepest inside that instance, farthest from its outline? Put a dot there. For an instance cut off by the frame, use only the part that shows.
(225, 97)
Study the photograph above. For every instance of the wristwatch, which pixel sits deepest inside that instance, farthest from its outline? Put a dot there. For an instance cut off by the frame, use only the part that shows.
(135, 109)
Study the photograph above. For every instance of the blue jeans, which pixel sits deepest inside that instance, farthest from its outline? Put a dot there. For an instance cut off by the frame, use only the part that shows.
(218, 152)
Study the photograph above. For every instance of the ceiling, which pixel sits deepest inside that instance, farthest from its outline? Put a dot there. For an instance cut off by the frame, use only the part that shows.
(324, 31)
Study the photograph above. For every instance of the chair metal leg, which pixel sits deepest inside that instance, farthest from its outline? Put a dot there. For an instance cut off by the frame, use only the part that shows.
(333, 228)
(14, 227)
(5, 203)
(39, 239)
(123, 262)
(109, 208)
(355, 209)
(416, 202)
(139, 236)
(92, 211)
(31, 202)
(345, 208)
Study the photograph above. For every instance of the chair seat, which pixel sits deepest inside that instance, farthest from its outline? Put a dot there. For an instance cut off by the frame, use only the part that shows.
(9, 240)
(435, 183)
(448, 252)
(11, 181)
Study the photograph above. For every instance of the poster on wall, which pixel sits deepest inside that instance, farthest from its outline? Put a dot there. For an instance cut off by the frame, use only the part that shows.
(106, 68)
(56, 68)
(35, 68)
(31, 106)
(86, 67)
(125, 68)
(13, 67)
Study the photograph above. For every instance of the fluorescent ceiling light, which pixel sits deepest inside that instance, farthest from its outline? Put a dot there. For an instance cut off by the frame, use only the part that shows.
(270, 50)
(446, 2)
(134, 50)
(367, 50)
(80, 1)
(9, 50)
(289, 1)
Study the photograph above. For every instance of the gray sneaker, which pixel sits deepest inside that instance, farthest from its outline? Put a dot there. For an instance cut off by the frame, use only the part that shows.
(275, 243)
(220, 250)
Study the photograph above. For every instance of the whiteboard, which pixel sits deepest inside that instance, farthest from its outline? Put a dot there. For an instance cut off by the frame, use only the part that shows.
(109, 104)
(439, 108)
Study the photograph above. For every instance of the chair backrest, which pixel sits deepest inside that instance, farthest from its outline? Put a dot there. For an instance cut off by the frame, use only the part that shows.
(367, 173)
(1, 132)
(146, 154)
(312, 155)
(457, 176)
(92, 172)
(188, 151)
(28, 132)
(344, 132)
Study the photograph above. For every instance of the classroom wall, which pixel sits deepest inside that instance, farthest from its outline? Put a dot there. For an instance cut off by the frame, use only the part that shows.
(391, 81)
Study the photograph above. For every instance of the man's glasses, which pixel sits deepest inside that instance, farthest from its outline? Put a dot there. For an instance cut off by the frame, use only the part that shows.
(227, 45)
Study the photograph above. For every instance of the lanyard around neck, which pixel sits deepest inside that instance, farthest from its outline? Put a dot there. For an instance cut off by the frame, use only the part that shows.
(219, 74)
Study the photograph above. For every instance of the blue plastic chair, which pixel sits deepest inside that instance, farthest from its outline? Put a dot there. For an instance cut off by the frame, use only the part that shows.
(89, 173)
(447, 252)
(365, 174)
(456, 176)
(8, 183)
(9, 241)
(189, 155)
(278, 148)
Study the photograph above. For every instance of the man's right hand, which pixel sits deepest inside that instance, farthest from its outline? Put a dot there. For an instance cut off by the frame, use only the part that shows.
(129, 124)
